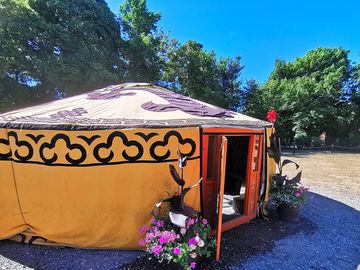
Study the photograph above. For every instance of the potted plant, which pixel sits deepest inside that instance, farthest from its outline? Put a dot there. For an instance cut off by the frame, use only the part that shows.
(287, 194)
(179, 247)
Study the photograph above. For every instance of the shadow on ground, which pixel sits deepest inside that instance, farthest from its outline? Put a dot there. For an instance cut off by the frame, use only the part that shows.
(327, 237)
(64, 258)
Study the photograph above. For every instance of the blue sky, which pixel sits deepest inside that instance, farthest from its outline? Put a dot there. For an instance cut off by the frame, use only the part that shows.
(261, 31)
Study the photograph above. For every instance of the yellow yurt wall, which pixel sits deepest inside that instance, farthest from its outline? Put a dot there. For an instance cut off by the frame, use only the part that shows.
(271, 166)
(90, 188)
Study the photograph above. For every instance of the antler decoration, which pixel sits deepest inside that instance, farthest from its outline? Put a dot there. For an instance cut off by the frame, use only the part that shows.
(178, 210)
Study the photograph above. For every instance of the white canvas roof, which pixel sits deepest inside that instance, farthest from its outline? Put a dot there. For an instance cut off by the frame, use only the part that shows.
(125, 105)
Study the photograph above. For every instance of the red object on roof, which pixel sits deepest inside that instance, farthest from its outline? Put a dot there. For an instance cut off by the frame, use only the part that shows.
(271, 116)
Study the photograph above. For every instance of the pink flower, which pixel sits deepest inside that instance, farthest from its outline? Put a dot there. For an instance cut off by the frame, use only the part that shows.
(204, 221)
(192, 241)
(144, 229)
(177, 251)
(163, 239)
(183, 231)
(149, 237)
(160, 223)
(190, 222)
(142, 242)
(193, 255)
(157, 249)
(297, 194)
(193, 265)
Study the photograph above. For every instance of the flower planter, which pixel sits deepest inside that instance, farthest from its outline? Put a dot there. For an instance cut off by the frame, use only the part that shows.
(289, 213)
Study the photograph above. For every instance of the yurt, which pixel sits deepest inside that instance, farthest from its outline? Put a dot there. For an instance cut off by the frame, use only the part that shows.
(86, 171)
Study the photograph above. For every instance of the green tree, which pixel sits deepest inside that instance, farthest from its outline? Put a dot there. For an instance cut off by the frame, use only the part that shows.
(196, 73)
(142, 42)
(56, 48)
(309, 94)
(229, 71)
(251, 99)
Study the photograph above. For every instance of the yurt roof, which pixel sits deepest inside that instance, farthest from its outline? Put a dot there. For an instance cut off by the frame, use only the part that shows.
(125, 106)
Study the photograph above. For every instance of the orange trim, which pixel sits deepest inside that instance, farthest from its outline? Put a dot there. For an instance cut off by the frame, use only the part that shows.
(234, 223)
(248, 176)
(224, 131)
(221, 196)
(259, 172)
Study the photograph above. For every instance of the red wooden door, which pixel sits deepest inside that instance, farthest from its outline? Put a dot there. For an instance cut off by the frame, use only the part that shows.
(210, 172)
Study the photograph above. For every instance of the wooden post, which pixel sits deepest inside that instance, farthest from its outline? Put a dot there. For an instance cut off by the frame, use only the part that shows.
(294, 151)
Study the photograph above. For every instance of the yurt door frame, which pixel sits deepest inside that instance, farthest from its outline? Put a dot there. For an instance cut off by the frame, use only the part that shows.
(213, 189)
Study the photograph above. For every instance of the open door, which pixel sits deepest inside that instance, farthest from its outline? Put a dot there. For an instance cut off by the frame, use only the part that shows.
(210, 174)
(221, 195)
(231, 170)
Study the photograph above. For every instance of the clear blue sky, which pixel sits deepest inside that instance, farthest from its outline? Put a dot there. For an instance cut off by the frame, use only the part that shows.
(261, 31)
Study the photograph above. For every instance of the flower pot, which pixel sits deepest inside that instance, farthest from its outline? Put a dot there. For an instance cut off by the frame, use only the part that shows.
(289, 213)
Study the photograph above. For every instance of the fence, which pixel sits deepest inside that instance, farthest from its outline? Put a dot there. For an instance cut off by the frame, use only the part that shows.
(332, 148)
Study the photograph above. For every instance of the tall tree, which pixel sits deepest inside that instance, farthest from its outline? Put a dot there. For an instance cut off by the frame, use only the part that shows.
(196, 73)
(141, 41)
(54, 48)
(309, 94)
(229, 71)
(251, 100)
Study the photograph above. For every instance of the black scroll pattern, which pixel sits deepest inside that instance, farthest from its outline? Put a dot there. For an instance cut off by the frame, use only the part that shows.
(101, 149)
(8, 154)
(19, 144)
(126, 142)
(37, 138)
(165, 142)
(69, 145)
(90, 140)
(146, 137)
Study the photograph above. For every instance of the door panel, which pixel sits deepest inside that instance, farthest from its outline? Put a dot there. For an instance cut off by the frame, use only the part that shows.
(210, 174)
(221, 195)
(254, 171)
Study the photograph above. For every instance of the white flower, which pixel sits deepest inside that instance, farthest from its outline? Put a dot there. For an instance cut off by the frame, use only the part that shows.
(197, 238)
(183, 231)
(192, 247)
(193, 255)
(201, 243)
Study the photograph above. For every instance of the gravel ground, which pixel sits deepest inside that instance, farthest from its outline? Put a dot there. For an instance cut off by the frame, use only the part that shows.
(327, 236)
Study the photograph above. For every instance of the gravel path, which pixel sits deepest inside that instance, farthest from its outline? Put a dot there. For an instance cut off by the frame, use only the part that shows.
(327, 237)
(334, 244)
(15, 255)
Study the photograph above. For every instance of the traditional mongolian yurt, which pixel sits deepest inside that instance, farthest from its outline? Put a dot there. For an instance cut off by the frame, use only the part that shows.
(86, 171)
